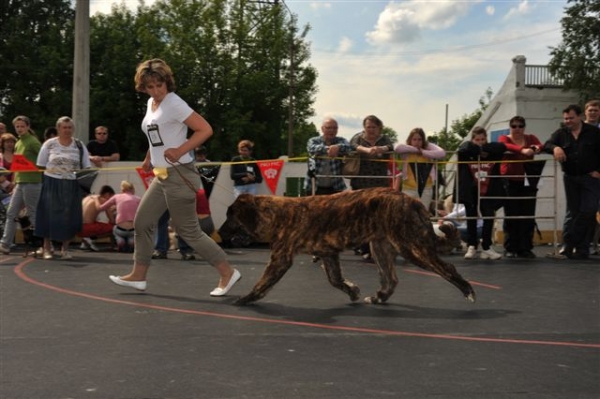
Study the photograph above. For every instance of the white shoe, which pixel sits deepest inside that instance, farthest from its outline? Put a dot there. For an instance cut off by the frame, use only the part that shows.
(47, 255)
(471, 252)
(235, 277)
(489, 254)
(138, 285)
(66, 255)
(83, 246)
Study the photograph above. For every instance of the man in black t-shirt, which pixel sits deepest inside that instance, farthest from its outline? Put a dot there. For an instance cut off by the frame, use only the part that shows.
(102, 149)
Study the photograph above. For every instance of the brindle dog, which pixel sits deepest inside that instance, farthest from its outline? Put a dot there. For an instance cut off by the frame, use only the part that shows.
(325, 225)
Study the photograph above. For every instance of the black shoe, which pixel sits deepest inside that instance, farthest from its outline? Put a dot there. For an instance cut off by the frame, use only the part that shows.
(187, 257)
(159, 255)
(526, 255)
(577, 256)
(508, 254)
(565, 251)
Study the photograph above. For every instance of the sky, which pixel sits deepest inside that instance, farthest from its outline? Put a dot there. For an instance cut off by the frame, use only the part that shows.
(407, 61)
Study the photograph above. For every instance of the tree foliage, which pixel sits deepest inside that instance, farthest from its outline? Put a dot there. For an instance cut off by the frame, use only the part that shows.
(577, 57)
(450, 139)
(36, 72)
(232, 61)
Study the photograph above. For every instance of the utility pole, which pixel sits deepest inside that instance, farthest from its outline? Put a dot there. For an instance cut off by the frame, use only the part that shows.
(291, 102)
(80, 107)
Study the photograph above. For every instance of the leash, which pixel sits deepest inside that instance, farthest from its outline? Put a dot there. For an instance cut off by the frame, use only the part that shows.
(186, 181)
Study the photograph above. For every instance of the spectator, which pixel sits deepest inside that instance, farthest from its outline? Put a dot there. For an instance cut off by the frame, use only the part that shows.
(59, 211)
(92, 208)
(478, 160)
(324, 160)
(166, 125)
(577, 147)
(592, 117)
(162, 242)
(208, 174)
(373, 148)
(127, 204)
(518, 233)
(592, 113)
(50, 132)
(244, 170)
(26, 192)
(2, 128)
(7, 150)
(455, 213)
(419, 173)
(206, 224)
(102, 149)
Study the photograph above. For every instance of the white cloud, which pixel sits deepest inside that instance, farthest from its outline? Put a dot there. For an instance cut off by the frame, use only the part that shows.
(104, 6)
(315, 5)
(402, 23)
(490, 10)
(523, 8)
(345, 45)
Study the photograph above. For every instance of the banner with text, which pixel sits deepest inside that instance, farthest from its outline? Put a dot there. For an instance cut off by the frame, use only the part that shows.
(271, 170)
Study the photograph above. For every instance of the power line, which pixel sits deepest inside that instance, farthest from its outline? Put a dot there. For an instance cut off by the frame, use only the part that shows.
(441, 50)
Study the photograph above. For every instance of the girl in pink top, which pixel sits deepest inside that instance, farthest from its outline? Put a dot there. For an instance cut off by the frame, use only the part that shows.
(127, 204)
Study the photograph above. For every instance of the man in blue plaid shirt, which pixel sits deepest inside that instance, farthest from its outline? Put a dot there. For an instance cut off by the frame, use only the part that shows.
(325, 160)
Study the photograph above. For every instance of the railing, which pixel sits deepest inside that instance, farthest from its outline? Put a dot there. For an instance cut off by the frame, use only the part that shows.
(540, 76)
(552, 215)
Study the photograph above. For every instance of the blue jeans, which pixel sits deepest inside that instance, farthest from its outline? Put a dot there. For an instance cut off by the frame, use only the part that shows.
(161, 241)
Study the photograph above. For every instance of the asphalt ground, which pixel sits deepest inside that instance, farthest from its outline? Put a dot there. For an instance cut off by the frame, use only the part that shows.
(67, 332)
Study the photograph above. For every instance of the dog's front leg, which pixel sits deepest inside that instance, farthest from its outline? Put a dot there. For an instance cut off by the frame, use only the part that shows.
(336, 279)
(384, 255)
(276, 268)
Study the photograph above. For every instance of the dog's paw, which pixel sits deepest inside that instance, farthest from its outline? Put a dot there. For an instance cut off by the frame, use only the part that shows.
(242, 301)
(373, 300)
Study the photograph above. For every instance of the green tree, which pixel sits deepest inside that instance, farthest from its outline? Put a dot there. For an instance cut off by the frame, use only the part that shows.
(576, 59)
(391, 133)
(37, 56)
(450, 139)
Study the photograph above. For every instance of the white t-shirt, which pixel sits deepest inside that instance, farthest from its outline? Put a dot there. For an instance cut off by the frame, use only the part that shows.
(165, 129)
(61, 162)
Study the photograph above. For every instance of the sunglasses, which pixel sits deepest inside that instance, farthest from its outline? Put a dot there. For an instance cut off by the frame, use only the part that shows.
(517, 126)
(101, 134)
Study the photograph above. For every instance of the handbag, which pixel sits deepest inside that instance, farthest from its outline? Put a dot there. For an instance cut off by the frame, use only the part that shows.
(351, 165)
(86, 178)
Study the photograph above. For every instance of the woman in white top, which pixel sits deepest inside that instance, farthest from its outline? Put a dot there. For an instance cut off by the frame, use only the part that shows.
(174, 188)
(59, 215)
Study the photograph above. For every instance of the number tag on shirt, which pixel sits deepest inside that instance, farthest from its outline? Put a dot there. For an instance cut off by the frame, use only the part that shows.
(154, 135)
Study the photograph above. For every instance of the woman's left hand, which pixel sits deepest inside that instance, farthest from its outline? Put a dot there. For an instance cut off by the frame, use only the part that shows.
(172, 155)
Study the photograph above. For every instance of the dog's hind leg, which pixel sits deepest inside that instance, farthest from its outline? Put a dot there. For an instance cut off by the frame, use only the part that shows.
(274, 271)
(336, 279)
(384, 255)
(429, 260)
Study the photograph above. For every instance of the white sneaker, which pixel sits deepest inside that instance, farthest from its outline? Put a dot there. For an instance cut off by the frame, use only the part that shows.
(90, 243)
(471, 252)
(489, 254)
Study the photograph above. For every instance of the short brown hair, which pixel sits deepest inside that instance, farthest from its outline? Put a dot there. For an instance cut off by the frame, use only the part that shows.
(153, 70)
(477, 130)
(246, 144)
(592, 103)
(4, 138)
